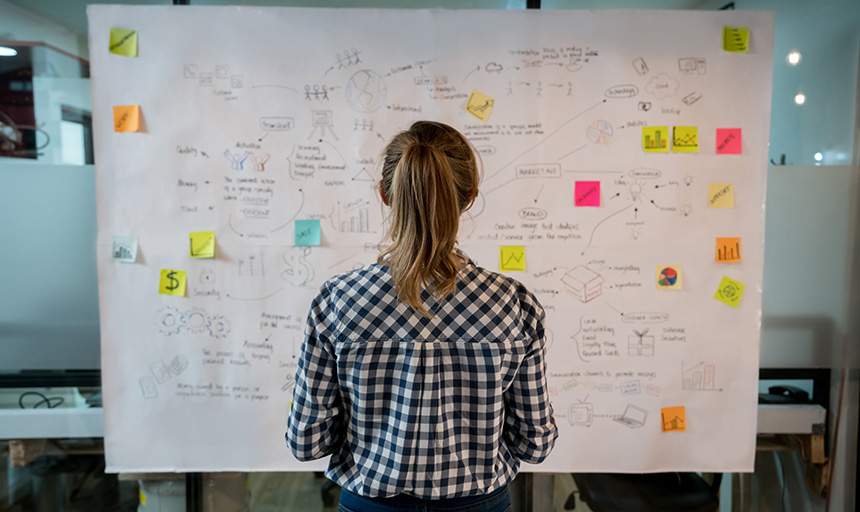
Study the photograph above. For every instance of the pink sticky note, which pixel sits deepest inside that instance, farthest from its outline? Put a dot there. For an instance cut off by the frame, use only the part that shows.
(729, 141)
(587, 193)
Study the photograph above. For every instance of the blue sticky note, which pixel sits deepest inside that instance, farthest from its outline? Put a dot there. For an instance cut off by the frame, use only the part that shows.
(308, 232)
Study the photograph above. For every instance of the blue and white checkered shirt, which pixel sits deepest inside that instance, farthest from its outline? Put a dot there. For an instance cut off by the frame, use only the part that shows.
(437, 407)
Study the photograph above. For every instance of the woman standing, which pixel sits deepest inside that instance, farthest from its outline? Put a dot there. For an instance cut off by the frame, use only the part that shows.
(423, 375)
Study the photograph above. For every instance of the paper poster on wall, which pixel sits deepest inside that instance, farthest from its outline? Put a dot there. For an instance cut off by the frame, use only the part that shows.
(268, 137)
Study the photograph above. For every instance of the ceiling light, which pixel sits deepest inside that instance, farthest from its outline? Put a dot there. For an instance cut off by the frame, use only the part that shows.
(818, 156)
(793, 57)
(800, 99)
(5, 51)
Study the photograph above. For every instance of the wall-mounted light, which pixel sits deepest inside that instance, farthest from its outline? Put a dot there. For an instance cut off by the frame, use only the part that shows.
(793, 57)
(5, 51)
(800, 99)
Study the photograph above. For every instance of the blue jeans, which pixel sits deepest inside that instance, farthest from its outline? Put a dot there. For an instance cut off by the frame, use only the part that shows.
(497, 501)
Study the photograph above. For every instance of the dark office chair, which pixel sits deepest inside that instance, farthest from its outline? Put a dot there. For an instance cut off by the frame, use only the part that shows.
(655, 492)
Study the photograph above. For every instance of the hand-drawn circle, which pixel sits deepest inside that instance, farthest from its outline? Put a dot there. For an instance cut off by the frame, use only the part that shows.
(196, 320)
(532, 213)
(621, 91)
(600, 132)
(169, 320)
(643, 173)
(366, 91)
(219, 326)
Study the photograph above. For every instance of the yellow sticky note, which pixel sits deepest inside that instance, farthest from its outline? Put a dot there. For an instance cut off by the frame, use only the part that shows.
(480, 105)
(126, 118)
(674, 419)
(721, 195)
(202, 244)
(655, 139)
(123, 41)
(730, 292)
(736, 39)
(729, 250)
(512, 257)
(669, 277)
(172, 282)
(142, 497)
(685, 139)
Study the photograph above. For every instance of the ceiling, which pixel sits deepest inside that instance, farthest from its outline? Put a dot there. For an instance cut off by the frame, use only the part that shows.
(72, 14)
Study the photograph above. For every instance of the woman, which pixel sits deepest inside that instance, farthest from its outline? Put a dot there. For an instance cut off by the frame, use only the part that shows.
(423, 375)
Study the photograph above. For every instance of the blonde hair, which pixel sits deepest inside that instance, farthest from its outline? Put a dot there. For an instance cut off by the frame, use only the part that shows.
(430, 177)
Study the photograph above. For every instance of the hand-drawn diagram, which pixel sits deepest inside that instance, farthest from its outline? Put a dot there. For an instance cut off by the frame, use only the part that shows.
(640, 343)
(299, 271)
(170, 321)
(565, 101)
(633, 417)
(366, 91)
(583, 283)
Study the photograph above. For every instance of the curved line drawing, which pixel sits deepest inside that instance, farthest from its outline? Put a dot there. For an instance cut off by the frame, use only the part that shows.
(294, 216)
(591, 238)
(278, 86)
(258, 298)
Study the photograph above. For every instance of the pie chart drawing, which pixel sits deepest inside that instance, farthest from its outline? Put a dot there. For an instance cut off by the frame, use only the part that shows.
(600, 132)
(668, 277)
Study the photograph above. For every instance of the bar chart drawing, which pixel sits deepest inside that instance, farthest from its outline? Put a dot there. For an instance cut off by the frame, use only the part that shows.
(122, 252)
(655, 139)
(728, 250)
(699, 377)
(656, 142)
(353, 218)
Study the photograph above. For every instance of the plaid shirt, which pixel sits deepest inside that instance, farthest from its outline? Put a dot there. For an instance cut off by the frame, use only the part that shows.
(436, 407)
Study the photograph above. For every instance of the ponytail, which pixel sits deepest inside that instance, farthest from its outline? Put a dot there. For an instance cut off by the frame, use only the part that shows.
(430, 177)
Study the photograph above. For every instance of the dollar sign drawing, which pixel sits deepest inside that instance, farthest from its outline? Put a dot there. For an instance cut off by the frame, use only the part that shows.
(174, 283)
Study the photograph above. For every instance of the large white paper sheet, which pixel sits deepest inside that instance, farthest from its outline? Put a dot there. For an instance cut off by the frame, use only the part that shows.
(253, 118)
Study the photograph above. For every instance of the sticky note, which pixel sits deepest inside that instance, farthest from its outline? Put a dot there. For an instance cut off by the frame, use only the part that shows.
(586, 193)
(512, 257)
(721, 195)
(655, 139)
(307, 232)
(685, 139)
(728, 250)
(480, 105)
(172, 282)
(142, 497)
(729, 141)
(669, 277)
(736, 39)
(674, 419)
(126, 118)
(124, 249)
(123, 42)
(202, 244)
(730, 292)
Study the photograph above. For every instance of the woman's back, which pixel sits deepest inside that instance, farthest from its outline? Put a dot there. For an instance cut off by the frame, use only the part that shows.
(437, 407)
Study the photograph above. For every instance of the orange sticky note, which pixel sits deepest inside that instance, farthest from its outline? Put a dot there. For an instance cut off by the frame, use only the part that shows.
(674, 419)
(728, 250)
(126, 118)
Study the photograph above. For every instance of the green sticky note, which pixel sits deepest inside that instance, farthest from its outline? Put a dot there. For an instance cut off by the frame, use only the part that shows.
(730, 292)
(123, 42)
(172, 282)
(202, 244)
(307, 232)
(736, 39)
(512, 258)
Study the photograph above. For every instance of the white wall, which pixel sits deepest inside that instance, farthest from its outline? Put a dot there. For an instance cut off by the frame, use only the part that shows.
(20, 25)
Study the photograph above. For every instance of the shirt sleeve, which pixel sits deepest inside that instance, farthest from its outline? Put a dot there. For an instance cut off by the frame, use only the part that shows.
(316, 425)
(530, 430)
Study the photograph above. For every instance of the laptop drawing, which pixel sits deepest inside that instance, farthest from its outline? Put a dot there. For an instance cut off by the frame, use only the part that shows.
(633, 417)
